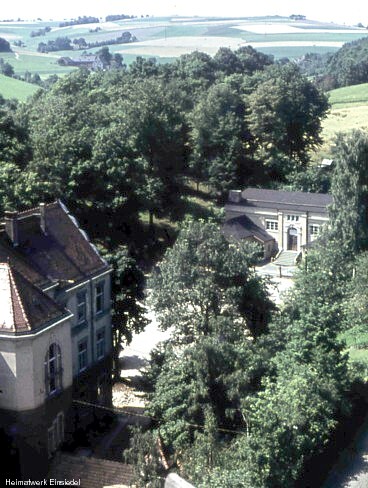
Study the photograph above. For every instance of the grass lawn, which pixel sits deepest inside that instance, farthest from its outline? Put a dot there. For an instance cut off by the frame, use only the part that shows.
(11, 88)
(348, 96)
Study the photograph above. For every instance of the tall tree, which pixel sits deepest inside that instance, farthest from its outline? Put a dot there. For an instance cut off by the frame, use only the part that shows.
(286, 111)
(220, 139)
(349, 188)
(204, 277)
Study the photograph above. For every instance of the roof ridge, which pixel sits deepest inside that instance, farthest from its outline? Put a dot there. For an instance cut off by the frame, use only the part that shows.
(19, 297)
(14, 291)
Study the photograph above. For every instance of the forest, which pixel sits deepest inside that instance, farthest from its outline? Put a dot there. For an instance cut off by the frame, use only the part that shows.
(348, 66)
(244, 394)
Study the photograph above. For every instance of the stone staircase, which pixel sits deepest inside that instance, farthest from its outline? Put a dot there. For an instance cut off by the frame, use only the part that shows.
(286, 258)
(92, 472)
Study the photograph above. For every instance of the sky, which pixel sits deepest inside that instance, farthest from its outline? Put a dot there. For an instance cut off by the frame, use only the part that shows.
(339, 11)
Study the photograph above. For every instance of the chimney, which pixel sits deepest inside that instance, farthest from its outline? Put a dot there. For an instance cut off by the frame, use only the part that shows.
(235, 196)
(43, 218)
(11, 226)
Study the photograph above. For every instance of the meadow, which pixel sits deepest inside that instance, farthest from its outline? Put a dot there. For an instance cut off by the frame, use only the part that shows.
(11, 88)
(349, 110)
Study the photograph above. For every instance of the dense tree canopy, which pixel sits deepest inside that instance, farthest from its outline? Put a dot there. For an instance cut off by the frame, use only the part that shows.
(349, 224)
(204, 277)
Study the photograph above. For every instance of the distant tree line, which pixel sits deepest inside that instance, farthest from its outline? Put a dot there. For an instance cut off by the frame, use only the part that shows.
(80, 20)
(40, 32)
(113, 18)
(59, 44)
(348, 66)
(124, 38)
(66, 44)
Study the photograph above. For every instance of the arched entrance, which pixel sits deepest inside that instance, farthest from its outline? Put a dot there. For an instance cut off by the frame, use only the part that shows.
(292, 239)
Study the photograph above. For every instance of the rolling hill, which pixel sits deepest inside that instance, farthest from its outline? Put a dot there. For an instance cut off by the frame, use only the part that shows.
(12, 88)
(167, 38)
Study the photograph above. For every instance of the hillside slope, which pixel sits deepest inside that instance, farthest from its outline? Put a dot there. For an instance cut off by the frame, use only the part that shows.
(12, 88)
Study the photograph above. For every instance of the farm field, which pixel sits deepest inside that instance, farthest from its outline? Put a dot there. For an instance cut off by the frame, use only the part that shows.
(11, 88)
(349, 110)
(167, 38)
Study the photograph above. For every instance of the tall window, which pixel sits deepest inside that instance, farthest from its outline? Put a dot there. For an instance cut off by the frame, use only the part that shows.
(81, 307)
(53, 369)
(100, 297)
(292, 218)
(82, 355)
(100, 343)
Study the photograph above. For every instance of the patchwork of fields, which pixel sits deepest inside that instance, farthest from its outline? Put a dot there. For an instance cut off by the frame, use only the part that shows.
(159, 36)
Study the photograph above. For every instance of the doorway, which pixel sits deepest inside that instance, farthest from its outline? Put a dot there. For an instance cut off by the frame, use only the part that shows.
(292, 240)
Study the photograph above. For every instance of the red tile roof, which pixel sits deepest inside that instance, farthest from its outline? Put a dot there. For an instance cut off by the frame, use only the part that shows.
(23, 306)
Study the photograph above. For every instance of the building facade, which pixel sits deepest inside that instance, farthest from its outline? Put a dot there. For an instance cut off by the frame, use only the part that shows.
(279, 220)
(55, 336)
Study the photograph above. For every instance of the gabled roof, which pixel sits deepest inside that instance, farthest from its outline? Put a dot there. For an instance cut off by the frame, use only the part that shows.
(243, 227)
(285, 200)
(62, 254)
(23, 306)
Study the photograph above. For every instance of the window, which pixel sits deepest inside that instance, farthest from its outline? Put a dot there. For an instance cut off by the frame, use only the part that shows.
(81, 307)
(314, 230)
(53, 369)
(272, 225)
(82, 355)
(292, 218)
(55, 434)
(100, 343)
(100, 297)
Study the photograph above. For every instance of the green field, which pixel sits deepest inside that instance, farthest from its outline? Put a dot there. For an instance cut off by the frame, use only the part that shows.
(11, 88)
(349, 110)
(349, 96)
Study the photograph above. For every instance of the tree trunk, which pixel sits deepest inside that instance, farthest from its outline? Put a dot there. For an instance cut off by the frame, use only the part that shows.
(151, 218)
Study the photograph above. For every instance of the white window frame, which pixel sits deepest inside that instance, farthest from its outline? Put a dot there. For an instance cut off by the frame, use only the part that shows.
(272, 225)
(314, 229)
(82, 355)
(292, 218)
(81, 307)
(53, 363)
(99, 297)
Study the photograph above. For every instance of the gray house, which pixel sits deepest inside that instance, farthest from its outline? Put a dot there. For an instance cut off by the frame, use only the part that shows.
(279, 220)
(55, 336)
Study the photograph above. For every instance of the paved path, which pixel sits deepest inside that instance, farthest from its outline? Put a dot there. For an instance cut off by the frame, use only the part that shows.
(278, 286)
(351, 469)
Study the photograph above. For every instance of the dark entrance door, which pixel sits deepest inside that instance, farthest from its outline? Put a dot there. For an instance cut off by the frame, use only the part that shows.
(292, 244)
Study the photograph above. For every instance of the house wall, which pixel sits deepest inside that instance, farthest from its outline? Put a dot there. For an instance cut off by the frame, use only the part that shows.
(94, 321)
(302, 225)
(22, 371)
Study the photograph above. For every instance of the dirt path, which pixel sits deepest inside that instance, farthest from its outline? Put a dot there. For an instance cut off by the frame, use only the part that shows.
(134, 358)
